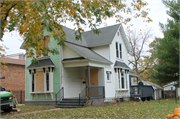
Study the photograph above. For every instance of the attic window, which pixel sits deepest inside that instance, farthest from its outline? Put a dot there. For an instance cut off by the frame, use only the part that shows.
(118, 33)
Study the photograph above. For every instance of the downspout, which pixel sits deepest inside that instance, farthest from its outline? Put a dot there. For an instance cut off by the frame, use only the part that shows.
(88, 80)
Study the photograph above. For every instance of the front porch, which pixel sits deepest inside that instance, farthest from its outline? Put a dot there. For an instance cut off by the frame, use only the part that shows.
(81, 82)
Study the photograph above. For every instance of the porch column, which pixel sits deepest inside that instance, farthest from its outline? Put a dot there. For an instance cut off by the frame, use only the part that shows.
(88, 79)
(127, 77)
(51, 87)
(117, 78)
(137, 80)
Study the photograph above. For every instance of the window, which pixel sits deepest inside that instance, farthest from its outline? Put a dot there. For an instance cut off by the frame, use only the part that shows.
(121, 79)
(33, 82)
(47, 81)
(108, 75)
(119, 50)
(46, 45)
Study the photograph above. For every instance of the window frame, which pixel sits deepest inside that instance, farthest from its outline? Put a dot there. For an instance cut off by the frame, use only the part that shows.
(121, 84)
(42, 53)
(118, 50)
(108, 77)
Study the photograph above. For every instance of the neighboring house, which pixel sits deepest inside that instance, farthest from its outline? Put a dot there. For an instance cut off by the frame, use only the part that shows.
(170, 86)
(97, 61)
(20, 56)
(13, 76)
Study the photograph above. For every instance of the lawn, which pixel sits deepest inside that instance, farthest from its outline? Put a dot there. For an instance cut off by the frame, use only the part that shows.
(123, 110)
(28, 108)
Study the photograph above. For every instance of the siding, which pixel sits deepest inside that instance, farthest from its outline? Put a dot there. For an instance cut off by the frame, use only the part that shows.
(68, 53)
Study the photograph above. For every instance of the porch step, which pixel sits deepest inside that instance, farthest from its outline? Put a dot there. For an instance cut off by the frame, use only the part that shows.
(70, 103)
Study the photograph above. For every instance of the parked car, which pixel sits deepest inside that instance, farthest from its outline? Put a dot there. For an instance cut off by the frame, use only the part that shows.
(6, 100)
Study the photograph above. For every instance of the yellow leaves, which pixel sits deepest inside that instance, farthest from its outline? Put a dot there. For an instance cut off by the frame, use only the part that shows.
(144, 14)
(31, 53)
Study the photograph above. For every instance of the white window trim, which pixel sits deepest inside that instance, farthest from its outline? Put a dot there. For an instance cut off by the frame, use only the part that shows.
(110, 76)
(119, 81)
(120, 53)
(51, 91)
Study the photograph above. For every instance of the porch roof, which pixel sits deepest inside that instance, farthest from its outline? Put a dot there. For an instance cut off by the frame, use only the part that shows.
(133, 75)
(88, 53)
(42, 63)
(121, 65)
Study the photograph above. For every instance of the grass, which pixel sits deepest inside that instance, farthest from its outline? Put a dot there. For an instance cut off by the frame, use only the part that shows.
(28, 108)
(124, 110)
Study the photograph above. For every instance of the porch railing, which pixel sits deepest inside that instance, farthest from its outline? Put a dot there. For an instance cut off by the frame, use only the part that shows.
(61, 94)
(96, 92)
(82, 96)
(91, 92)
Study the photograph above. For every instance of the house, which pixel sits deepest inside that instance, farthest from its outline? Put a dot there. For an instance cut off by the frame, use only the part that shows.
(17, 56)
(169, 90)
(96, 64)
(170, 86)
(13, 77)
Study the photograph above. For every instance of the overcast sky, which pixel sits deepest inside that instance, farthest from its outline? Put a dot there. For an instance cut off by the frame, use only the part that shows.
(158, 14)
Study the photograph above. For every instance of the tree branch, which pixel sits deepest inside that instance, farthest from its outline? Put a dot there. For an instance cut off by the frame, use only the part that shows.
(9, 11)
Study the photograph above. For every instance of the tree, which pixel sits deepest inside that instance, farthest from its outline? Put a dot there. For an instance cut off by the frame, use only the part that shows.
(139, 59)
(167, 49)
(31, 17)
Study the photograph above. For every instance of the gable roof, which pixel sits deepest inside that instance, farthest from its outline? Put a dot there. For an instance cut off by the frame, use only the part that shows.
(12, 61)
(152, 84)
(170, 84)
(87, 53)
(104, 38)
(89, 39)
(70, 37)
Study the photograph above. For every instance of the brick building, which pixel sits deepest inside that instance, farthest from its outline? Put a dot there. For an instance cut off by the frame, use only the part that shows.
(14, 76)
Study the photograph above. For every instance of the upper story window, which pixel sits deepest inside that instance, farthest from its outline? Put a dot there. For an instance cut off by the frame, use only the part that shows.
(119, 50)
(46, 45)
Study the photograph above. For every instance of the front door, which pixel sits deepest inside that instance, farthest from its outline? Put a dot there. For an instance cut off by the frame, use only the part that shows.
(93, 81)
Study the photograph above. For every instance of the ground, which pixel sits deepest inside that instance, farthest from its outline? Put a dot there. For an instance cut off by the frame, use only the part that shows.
(152, 109)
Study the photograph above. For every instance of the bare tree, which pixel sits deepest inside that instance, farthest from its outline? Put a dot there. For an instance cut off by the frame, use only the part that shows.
(139, 41)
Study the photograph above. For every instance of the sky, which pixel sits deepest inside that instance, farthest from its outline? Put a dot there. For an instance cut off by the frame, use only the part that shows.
(157, 13)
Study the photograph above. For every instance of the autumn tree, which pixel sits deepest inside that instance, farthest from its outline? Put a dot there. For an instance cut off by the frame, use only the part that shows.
(140, 59)
(31, 17)
(167, 49)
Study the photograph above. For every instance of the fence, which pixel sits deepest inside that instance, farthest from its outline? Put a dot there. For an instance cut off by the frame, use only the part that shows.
(169, 94)
(20, 95)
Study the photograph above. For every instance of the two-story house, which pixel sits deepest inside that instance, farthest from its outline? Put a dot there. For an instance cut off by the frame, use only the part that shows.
(93, 67)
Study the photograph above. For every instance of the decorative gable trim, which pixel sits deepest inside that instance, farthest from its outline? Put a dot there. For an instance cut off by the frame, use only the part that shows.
(124, 37)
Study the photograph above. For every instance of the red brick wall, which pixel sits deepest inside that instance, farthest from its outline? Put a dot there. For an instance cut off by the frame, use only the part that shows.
(14, 77)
